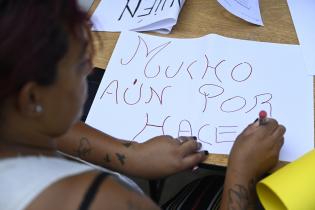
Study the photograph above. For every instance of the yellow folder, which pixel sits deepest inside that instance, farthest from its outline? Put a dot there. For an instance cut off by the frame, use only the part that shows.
(291, 187)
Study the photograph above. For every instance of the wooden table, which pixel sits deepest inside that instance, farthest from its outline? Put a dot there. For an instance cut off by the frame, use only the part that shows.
(201, 17)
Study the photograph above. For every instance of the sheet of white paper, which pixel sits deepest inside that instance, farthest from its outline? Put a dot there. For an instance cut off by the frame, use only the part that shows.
(246, 9)
(211, 87)
(136, 15)
(303, 15)
(85, 4)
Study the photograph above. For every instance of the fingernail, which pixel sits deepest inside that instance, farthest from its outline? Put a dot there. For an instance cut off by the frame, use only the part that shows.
(194, 138)
(195, 168)
(206, 152)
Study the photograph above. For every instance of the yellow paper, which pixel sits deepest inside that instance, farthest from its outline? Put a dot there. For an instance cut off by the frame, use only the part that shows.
(291, 187)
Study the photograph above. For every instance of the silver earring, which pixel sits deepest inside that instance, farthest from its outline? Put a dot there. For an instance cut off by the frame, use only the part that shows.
(38, 108)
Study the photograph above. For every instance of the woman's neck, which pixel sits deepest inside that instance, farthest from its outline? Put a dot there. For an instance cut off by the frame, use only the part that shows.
(11, 150)
(20, 143)
(23, 135)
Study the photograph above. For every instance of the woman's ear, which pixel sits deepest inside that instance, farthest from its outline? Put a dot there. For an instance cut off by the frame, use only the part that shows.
(29, 100)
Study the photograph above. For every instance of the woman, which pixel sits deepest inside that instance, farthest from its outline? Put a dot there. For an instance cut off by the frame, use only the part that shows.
(45, 57)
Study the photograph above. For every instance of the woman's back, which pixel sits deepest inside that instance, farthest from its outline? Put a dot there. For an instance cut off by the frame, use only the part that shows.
(39, 182)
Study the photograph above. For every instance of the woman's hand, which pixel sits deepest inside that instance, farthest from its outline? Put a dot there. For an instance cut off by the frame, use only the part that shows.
(164, 155)
(256, 149)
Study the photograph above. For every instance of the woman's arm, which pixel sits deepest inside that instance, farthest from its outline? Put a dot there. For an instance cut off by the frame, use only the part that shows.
(255, 152)
(155, 158)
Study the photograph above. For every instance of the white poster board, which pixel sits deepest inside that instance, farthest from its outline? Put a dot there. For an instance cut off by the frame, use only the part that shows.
(136, 15)
(303, 15)
(210, 87)
(247, 10)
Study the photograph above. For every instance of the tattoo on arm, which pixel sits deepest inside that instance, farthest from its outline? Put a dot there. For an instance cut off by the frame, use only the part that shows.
(241, 197)
(238, 198)
(84, 148)
(121, 158)
(107, 158)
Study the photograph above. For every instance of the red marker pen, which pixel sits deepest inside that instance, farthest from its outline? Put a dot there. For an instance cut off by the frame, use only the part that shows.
(262, 117)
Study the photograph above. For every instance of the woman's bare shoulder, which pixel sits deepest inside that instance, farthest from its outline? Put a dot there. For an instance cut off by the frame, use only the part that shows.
(69, 193)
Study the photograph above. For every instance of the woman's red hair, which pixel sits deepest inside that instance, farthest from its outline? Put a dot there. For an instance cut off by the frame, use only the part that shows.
(34, 37)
